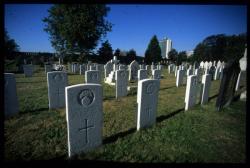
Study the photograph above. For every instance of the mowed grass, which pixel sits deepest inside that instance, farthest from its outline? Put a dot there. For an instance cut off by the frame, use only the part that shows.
(201, 134)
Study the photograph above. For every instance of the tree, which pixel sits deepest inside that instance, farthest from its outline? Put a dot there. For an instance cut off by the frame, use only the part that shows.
(105, 51)
(182, 56)
(153, 51)
(76, 28)
(172, 55)
(10, 46)
(131, 55)
(220, 47)
(117, 52)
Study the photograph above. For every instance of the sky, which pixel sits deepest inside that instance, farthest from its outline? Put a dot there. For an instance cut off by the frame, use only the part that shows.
(134, 25)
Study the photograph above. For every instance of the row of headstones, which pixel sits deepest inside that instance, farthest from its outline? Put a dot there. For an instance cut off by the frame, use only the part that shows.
(216, 73)
(81, 68)
(57, 81)
(202, 64)
(54, 67)
(84, 111)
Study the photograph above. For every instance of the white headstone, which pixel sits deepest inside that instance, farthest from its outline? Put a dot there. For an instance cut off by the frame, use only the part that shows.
(210, 64)
(217, 73)
(28, 70)
(198, 73)
(84, 115)
(176, 70)
(214, 63)
(107, 69)
(148, 69)
(122, 67)
(206, 82)
(93, 77)
(121, 77)
(191, 91)
(218, 64)
(82, 69)
(169, 69)
(133, 70)
(48, 68)
(142, 66)
(92, 67)
(147, 98)
(243, 61)
(243, 96)
(159, 67)
(57, 81)
(179, 78)
(156, 74)
(202, 64)
(10, 95)
(189, 72)
(240, 79)
(142, 74)
(221, 72)
(153, 67)
(206, 65)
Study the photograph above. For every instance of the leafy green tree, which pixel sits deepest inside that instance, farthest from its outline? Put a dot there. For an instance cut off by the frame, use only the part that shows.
(76, 28)
(220, 47)
(172, 55)
(117, 52)
(10, 46)
(131, 55)
(235, 47)
(153, 51)
(106, 51)
(181, 57)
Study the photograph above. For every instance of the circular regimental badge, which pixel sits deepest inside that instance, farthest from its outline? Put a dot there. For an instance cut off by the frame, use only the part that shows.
(86, 97)
(150, 88)
(123, 74)
(58, 77)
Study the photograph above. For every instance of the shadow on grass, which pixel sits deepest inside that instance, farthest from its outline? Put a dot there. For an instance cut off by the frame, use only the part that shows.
(165, 117)
(109, 98)
(167, 88)
(114, 138)
(32, 82)
(132, 93)
(35, 110)
(212, 97)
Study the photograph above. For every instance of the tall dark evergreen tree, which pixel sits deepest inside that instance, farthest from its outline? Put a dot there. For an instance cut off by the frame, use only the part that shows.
(153, 52)
(117, 52)
(172, 55)
(106, 51)
(131, 55)
(182, 56)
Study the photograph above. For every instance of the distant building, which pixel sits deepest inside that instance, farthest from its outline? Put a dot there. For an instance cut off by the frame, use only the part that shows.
(166, 46)
(189, 53)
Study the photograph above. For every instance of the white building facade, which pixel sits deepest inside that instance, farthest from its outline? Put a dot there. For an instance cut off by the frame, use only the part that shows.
(189, 53)
(166, 46)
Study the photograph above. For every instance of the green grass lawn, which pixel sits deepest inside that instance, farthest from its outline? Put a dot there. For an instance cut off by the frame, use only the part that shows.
(199, 135)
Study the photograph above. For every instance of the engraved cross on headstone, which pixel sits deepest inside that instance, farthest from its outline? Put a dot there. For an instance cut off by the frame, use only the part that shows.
(86, 128)
(149, 113)
(58, 93)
